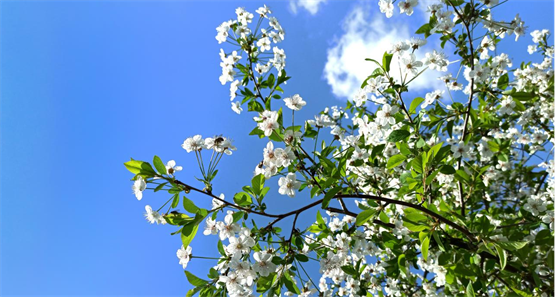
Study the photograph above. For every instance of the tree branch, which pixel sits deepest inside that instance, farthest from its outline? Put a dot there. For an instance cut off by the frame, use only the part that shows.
(415, 206)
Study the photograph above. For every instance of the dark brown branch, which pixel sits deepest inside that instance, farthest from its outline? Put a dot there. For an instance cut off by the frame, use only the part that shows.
(541, 183)
(319, 201)
(248, 210)
(415, 206)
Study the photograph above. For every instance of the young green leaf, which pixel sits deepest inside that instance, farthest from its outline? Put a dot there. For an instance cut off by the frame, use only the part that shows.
(502, 256)
(364, 216)
(395, 161)
(386, 61)
(425, 246)
(159, 165)
(194, 280)
(414, 104)
(189, 205)
(398, 135)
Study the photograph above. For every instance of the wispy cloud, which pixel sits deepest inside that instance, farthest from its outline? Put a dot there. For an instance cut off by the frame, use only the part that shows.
(367, 33)
(312, 6)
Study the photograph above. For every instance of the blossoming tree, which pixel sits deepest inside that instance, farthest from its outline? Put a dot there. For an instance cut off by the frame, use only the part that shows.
(449, 199)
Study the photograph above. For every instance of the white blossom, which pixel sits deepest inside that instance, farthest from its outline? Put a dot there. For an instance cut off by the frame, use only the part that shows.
(295, 102)
(263, 265)
(288, 185)
(138, 187)
(184, 255)
(153, 216)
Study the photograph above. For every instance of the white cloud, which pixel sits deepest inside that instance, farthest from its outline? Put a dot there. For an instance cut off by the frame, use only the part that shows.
(367, 36)
(311, 6)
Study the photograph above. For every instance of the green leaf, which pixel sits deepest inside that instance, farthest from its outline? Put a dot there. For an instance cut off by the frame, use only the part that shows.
(438, 241)
(140, 167)
(319, 219)
(175, 201)
(258, 132)
(404, 148)
(503, 81)
(521, 96)
(395, 161)
(425, 246)
(462, 175)
(159, 187)
(414, 104)
(350, 270)
(177, 219)
(159, 165)
(398, 135)
(434, 150)
(502, 256)
(189, 205)
(364, 216)
(190, 230)
(493, 146)
(522, 293)
(442, 153)
(264, 283)
(255, 106)
(470, 290)
(544, 237)
(420, 143)
(512, 246)
(271, 80)
(519, 106)
(242, 199)
(372, 60)
(237, 216)
(447, 169)
(258, 183)
(188, 233)
(194, 280)
(402, 264)
(386, 61)
(193, 291)
(550, 259)
(384, 217)
(416, 163)
(424, 29)
(301, 258)
(415, 227)
(290, 285)
(221, 249)
(431, 177)
(414, 215)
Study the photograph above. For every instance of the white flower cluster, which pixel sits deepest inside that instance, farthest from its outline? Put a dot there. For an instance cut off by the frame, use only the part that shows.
(241, 34)
(219, 144)
(445, 23)
(406, 6)
(238, 274)
(410, 64)
(274, 159)
(516, 26)
(267, 121)
(228, 68)
(347, 250)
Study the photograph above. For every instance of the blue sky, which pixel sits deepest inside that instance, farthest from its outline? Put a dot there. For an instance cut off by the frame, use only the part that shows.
(86, 85)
